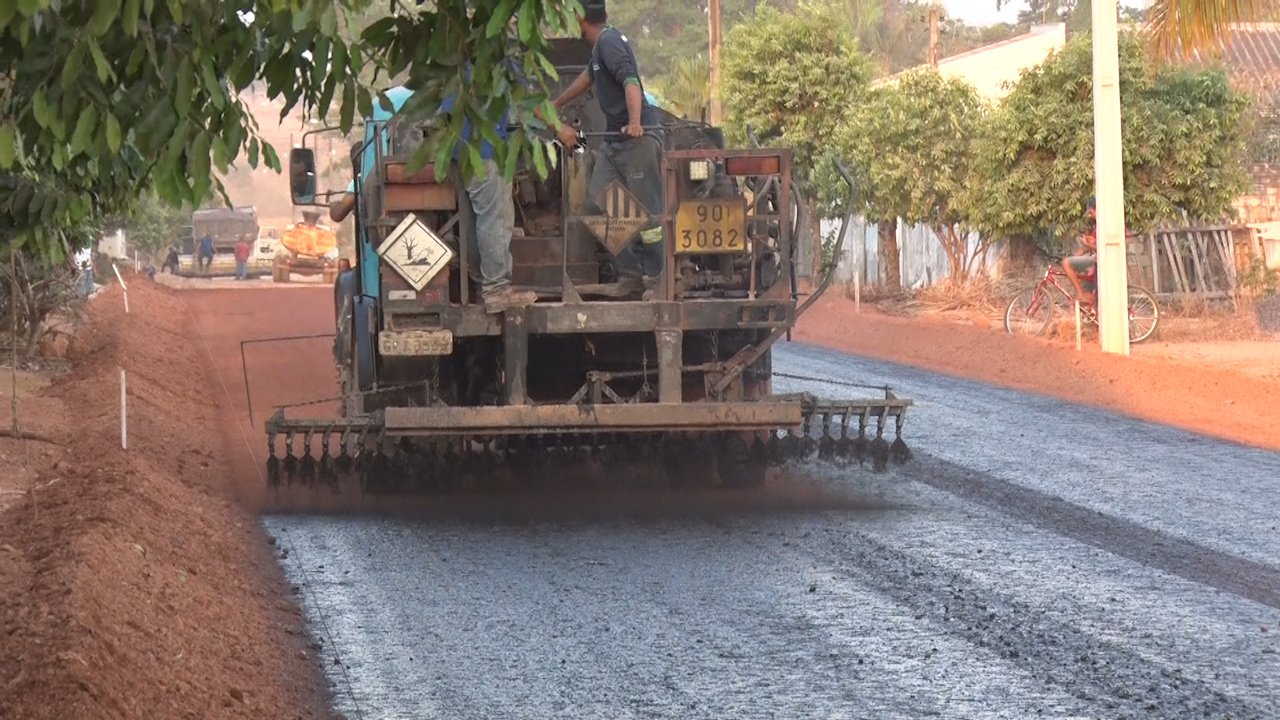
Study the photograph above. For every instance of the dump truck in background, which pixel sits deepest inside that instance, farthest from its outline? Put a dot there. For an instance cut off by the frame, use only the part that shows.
(225, 226)
(437, 393)
(307, 248)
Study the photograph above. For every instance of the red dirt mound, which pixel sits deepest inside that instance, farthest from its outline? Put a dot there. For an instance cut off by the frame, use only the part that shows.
(133, 585)
(1211, 400)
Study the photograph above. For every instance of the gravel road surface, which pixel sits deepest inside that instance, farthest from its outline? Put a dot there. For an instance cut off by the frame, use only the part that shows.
(1036, 559)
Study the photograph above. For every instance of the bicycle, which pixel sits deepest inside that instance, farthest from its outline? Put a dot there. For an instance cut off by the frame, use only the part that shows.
(1032, 309)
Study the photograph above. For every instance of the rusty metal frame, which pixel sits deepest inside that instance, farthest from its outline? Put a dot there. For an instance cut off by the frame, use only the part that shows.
(674, 160)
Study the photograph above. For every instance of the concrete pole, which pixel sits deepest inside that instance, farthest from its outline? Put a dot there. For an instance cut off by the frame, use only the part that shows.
(1113, 266)
(713, 35)
(931, 54)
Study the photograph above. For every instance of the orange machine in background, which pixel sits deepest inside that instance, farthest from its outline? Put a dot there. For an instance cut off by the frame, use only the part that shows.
(307, 248)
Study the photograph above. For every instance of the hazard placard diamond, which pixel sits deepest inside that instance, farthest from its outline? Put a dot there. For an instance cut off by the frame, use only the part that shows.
(624, 216)
(415, 252)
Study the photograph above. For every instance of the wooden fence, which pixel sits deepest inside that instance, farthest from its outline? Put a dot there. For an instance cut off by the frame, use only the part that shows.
(1201, 262)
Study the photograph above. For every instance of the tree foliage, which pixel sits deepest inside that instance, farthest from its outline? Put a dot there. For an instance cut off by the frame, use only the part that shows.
(1182, 134)
(912, 151)
(103, 99)
(791, 77)
(151, 225)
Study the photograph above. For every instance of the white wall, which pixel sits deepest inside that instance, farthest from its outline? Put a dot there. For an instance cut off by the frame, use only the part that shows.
(922, 261)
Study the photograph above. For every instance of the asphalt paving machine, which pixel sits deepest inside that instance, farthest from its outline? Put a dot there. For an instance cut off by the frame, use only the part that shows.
(436, 392)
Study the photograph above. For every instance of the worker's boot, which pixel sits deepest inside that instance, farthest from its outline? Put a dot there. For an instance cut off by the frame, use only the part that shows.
(650, 288)
(628, 287)
(499, 301)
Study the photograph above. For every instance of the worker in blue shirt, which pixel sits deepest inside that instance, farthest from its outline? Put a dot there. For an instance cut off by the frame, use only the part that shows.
(631, 154)
(205, 254)
(494, 213)
(493, 209)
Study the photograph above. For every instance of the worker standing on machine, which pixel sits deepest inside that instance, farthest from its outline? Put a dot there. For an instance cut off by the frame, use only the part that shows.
(630, 154)
(493, 213)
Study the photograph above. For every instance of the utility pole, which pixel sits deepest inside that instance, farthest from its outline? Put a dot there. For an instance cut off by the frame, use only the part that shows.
(713, 35)
(932, 54)
(1113, 263)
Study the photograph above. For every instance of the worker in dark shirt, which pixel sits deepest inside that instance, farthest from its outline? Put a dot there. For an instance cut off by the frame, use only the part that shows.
(630, 154)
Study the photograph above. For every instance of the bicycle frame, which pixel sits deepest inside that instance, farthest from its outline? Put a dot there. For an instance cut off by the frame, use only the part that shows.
(1052, 279)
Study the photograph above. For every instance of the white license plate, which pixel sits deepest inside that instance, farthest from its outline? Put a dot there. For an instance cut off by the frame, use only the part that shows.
(415, 342)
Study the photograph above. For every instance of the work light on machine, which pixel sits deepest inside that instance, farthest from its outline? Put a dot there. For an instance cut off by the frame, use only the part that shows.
(699, 170)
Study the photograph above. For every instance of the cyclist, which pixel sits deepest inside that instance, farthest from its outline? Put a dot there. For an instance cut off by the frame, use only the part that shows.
(1085, 263)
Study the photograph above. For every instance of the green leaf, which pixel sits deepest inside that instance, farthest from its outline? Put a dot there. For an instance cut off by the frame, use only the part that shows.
(513, 154)
(222, 153)
(8, 145)
(347, 115)
(114, 137)
(129, 18)
(71, 70)
(104, 13)
(476, 161)
(525, 23)
(100, 61)
(364, 102)
(85, 126)
(253, 153)
(269, 156)
(498, 21)
(186, 85)
(329, 20)
(40, 108)
(212, 84)
(539, 161)
(421, 156)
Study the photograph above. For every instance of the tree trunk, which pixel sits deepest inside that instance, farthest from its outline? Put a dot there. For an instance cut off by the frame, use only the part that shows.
(954, 247)
(890, 257)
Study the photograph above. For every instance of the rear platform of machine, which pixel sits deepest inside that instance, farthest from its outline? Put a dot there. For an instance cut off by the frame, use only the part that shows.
(437, 392)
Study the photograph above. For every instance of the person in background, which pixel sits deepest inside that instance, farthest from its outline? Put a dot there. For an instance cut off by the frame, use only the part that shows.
(171, 261)
(344, 291)
(205, 255)
(1082, 264)
(242, 258)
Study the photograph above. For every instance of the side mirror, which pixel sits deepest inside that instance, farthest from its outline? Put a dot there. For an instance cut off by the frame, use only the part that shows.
(302, 176)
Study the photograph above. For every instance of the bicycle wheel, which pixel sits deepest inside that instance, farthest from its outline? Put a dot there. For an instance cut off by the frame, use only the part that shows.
(1144, 314)
(1029, 313)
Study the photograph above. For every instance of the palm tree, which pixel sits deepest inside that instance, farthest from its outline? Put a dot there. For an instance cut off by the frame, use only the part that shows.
(1177, 27)
(687, 87)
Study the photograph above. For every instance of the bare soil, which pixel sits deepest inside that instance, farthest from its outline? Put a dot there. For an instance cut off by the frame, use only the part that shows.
(135, 584)
(1222, 389)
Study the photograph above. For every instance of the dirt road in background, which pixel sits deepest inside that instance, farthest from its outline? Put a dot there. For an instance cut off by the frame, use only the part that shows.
(1204, 394)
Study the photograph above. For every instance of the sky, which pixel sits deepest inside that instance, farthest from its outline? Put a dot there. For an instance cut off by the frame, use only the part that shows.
(983, 12)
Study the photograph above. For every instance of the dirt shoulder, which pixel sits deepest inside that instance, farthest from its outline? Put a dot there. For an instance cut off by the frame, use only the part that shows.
(135, 586)
(1199, 390)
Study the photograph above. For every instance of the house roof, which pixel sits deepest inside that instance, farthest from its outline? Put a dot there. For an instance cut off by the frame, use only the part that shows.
(1250, 54)
(992, 68)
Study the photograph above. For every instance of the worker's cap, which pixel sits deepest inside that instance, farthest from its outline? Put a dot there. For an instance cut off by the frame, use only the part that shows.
(596, 5)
